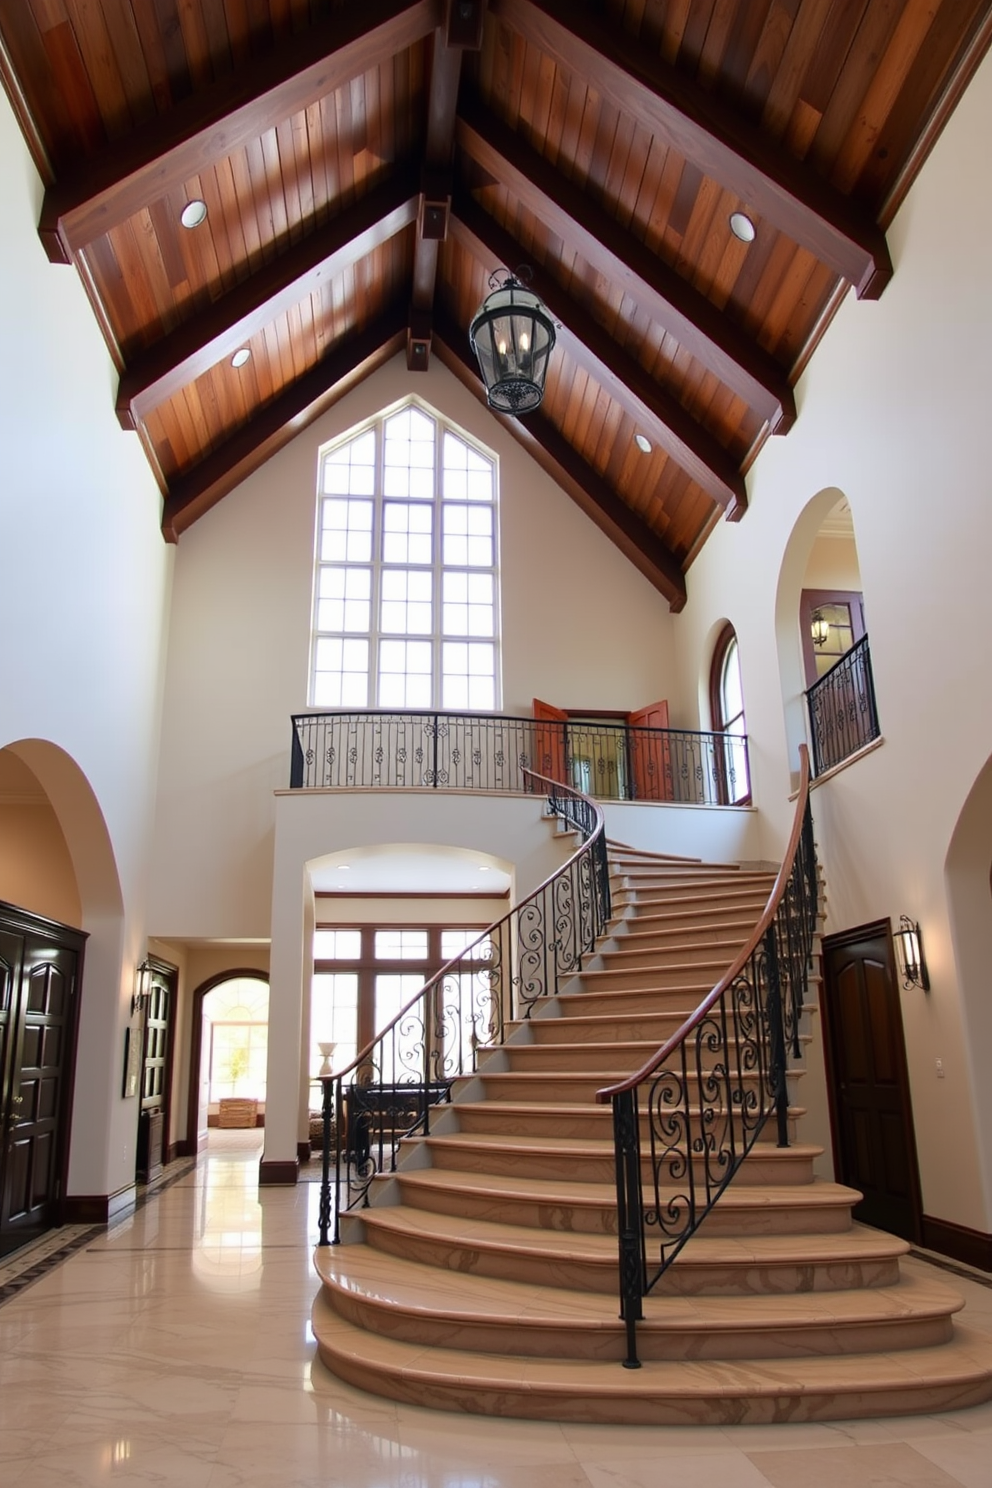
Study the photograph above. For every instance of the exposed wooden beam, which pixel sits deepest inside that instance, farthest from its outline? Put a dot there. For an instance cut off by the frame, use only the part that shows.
(192, 494)
(462, 29)
(660, 416)
(198, 344)
(209, 125)
(709, 133)
(625, 529)
(659, 292)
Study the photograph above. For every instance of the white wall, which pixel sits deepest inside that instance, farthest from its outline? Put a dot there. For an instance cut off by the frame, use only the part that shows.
(82, 603)
(893, 413)
(581, 628)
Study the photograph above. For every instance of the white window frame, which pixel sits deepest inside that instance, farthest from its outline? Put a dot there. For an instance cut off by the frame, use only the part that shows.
(375, 635)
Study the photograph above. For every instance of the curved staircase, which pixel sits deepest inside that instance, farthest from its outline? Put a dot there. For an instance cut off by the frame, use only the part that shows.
(484, 1275)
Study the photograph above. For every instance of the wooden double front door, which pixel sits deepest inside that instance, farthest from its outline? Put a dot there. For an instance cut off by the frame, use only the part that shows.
(40, 973)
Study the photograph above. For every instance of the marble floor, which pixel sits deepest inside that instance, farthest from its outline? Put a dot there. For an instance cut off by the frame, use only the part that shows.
(175, 1349)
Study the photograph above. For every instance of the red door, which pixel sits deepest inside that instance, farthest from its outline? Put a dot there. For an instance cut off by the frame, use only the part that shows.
(650, 753)
(549, 741)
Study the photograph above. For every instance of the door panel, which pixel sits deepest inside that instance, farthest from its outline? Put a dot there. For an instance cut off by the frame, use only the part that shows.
(549, 741)
(38, 982)
(650, 754)
(874, 1142)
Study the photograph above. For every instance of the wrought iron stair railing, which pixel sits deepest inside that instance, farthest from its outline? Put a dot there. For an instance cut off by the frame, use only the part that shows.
(391, 1089)
(707, 1093)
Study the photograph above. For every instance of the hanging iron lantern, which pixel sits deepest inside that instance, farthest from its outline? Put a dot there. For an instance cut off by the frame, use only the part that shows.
(512, 336)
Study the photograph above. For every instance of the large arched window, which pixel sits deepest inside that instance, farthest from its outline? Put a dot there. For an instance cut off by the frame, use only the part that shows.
(406, 604)
(727, 713)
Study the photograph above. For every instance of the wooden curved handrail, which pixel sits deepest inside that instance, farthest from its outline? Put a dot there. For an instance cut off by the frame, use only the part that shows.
(490, 930)
(737, 966)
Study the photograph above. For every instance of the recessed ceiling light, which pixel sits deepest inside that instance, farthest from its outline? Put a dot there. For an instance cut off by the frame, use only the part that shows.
(483, 868)
(193, 213)
(240, 357)
(643, 443)
(742, 227)
(344, 867)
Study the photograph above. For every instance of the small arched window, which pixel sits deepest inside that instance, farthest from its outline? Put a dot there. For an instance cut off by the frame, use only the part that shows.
(727, 713)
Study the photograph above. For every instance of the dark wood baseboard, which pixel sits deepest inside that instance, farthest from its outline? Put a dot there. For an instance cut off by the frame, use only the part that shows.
(973, 1247)
(98, 1208)
(303, 1152)
(175, 1149)
(272, 1172)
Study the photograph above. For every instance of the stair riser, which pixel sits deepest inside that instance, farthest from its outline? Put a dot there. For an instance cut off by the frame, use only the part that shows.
(596, 1062)
(665, 937)
(531, 1399)
(701, 978)
(549, 1340)
(717, 953)
(595, 1002)
(559, 1271)
(595, 1124)
(592, 1168)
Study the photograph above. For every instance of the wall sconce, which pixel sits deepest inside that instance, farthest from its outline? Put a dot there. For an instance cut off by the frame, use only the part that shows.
(819, 628)
(141, 996)
(909, 954)
(512, 336)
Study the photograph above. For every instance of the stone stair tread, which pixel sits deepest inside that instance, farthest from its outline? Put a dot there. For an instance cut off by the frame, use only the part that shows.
(460, 1296)
(672, 1392)
(566, 1192)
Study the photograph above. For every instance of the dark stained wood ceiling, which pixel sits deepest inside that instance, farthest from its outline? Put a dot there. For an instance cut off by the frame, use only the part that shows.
(367, 163)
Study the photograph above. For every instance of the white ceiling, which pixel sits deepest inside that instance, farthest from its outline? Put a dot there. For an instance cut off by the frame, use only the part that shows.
(409, 869)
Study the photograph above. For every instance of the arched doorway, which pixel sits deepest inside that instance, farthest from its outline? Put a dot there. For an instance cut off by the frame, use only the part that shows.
(821, 633)
(228, 1051)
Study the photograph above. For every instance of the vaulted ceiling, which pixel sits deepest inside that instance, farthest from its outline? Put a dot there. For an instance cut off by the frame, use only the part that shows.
(366, 164)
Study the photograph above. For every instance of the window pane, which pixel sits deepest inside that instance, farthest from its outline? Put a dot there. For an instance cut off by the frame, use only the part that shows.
(467, 536)
(730, 685)
(346, 532)
(343, 599)
(401, 945)
(350, 469)
(341, 673)
(468, 604)
(238, 1060)
(453, 942)
(407, 533)
(337, 945)
(468, 675)
(407, 606)
(405, 674)
(468, 476)
(334, 1018)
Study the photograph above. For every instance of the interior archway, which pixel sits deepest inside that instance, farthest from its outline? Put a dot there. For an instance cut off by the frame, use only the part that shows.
(807, 563)
(198, 1067)
(969, 905)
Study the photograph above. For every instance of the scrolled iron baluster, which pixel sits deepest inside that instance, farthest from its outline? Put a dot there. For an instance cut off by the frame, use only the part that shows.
(630, 1220)
(324, 1210)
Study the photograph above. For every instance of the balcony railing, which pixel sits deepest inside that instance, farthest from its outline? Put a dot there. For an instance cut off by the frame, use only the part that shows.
(493, 752)
(842, 713)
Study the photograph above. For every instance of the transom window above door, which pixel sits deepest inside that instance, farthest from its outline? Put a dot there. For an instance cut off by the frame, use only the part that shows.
(406, 611)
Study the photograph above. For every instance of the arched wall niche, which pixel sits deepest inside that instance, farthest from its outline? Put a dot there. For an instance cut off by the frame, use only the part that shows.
(795, 561)
(967, 869)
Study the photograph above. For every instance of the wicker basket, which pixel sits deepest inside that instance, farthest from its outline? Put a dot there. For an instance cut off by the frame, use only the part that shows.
(233, 1111)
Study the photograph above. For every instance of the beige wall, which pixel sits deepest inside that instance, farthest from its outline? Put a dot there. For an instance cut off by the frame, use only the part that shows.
(82, 605)
(36, 870)
(893, 414)
(239, 646)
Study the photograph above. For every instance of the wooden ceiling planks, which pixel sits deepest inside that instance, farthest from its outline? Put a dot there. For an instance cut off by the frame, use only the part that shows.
(607, 144)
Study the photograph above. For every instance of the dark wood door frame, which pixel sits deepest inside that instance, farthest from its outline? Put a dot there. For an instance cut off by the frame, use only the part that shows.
(187, 1146)
(876, 930)
(167, 973)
